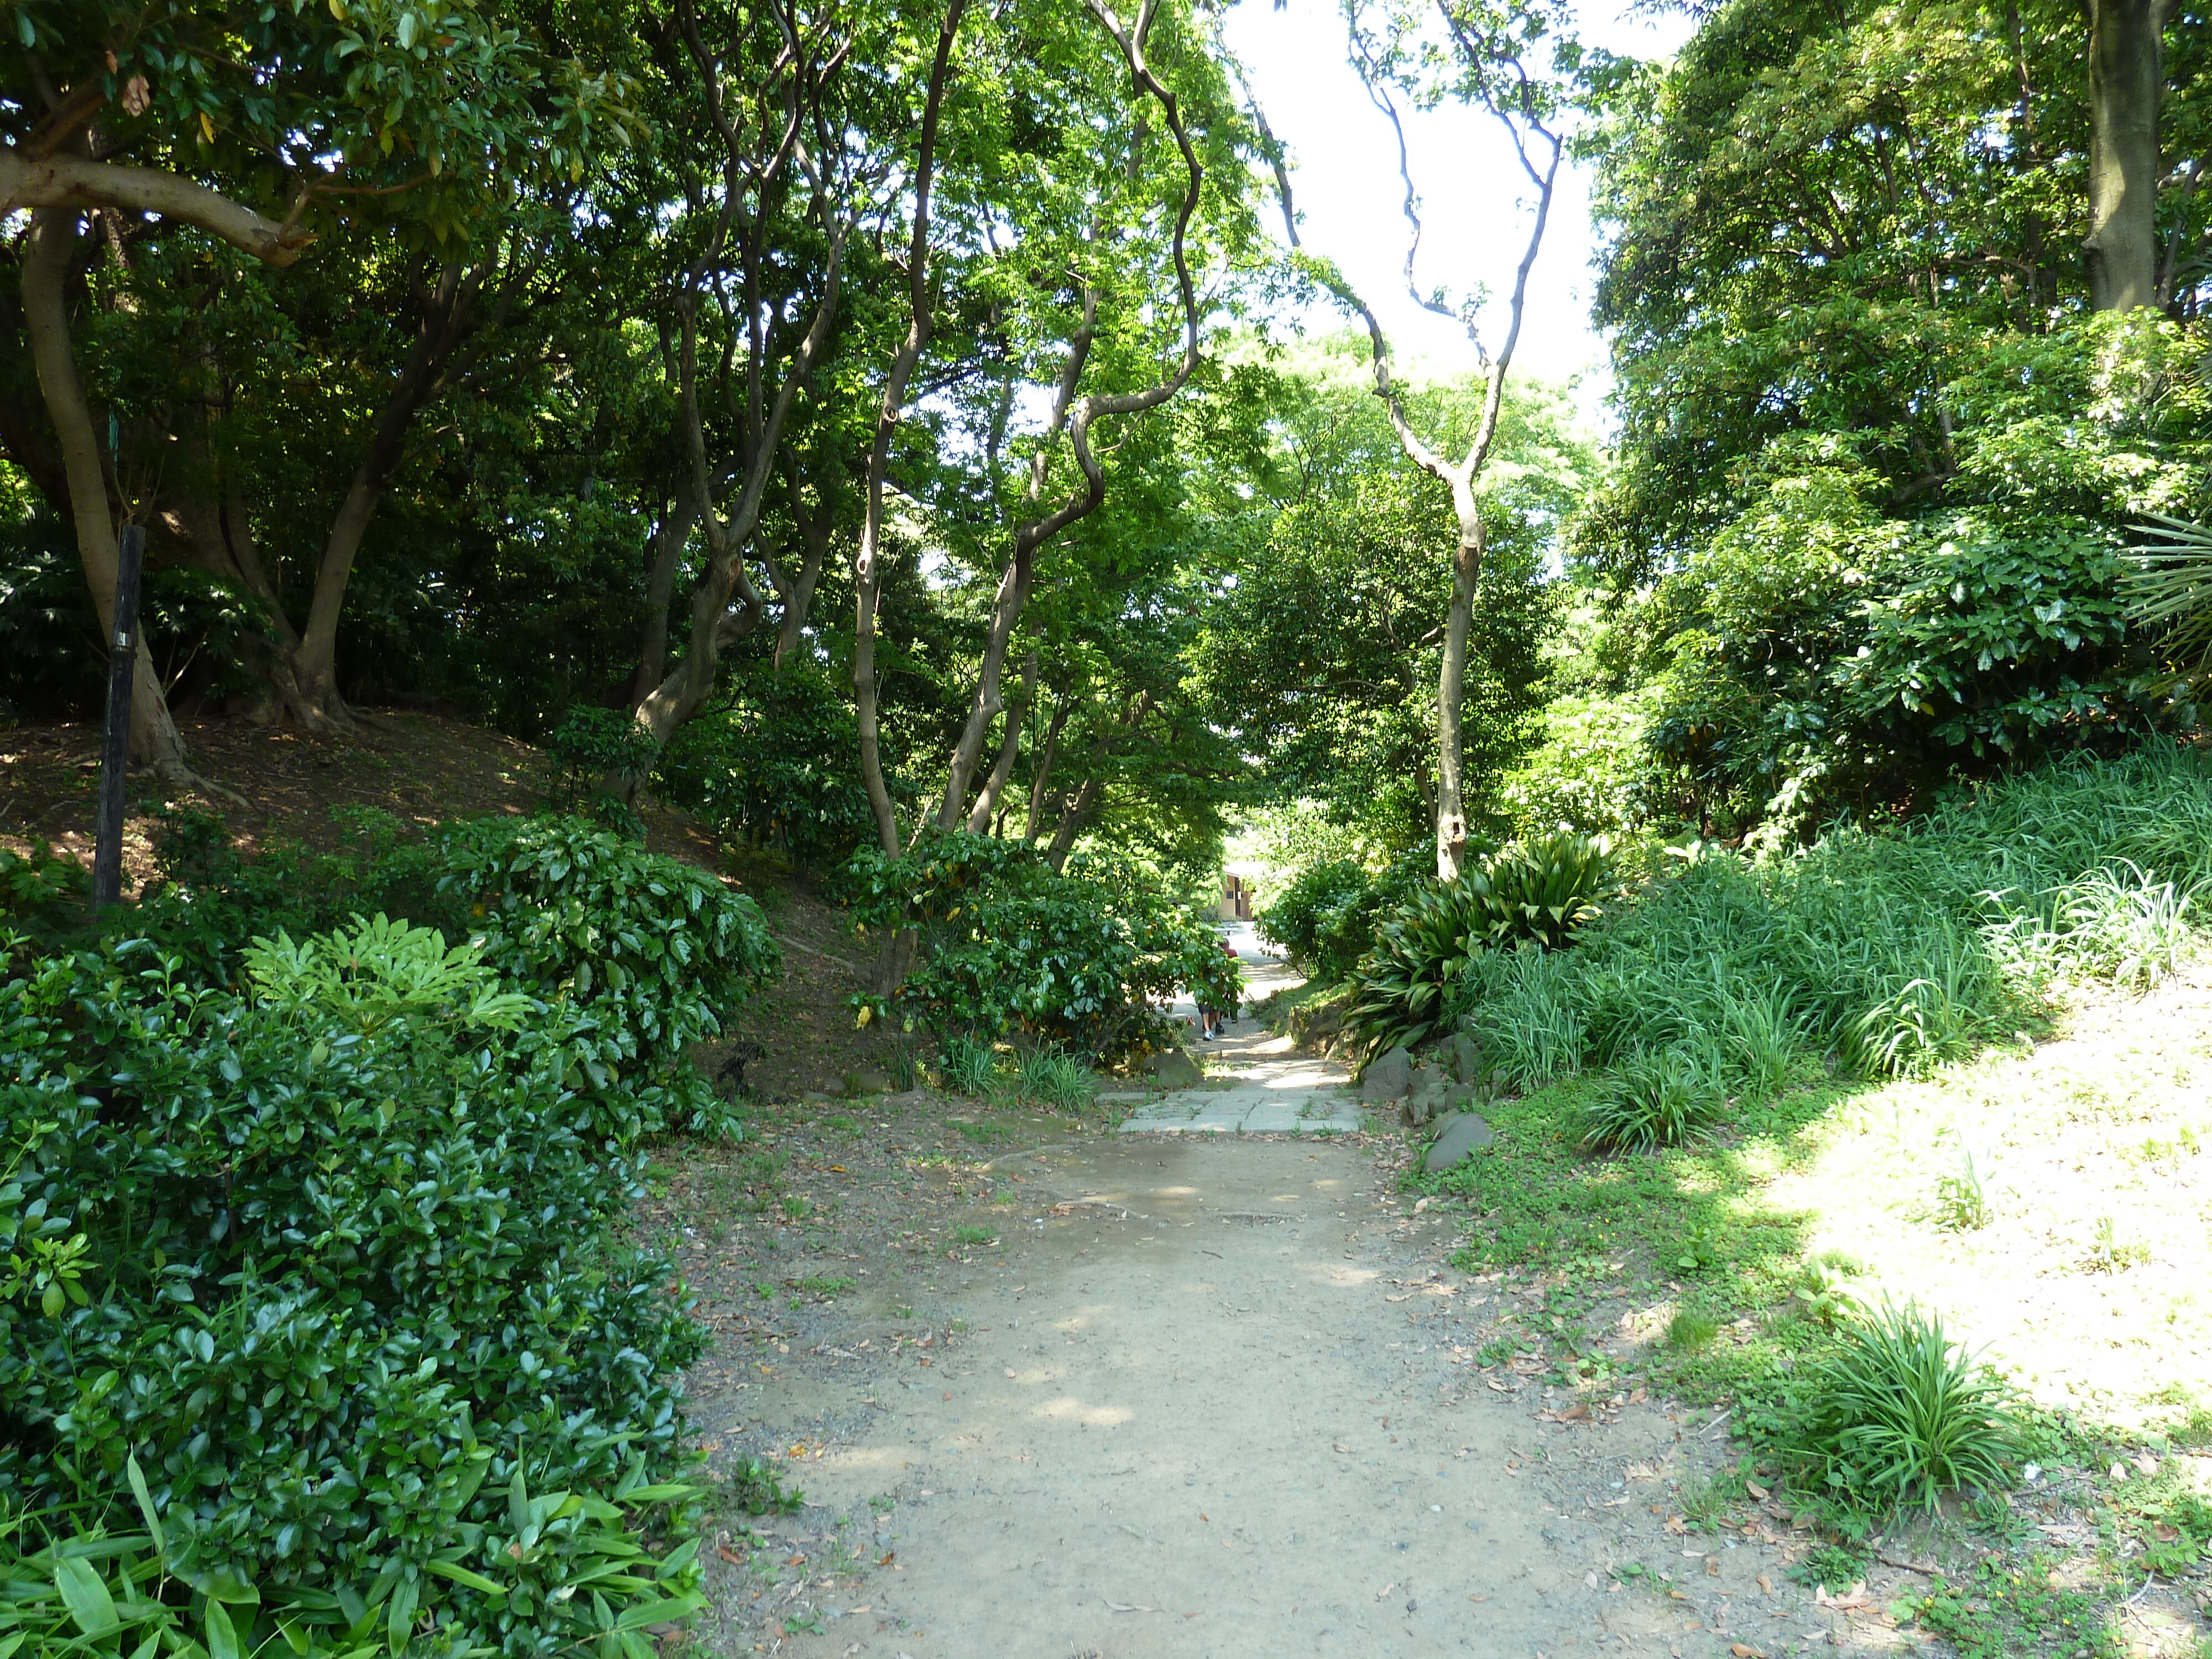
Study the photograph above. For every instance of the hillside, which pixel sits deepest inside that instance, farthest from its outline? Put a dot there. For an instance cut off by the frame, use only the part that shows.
(425, 769)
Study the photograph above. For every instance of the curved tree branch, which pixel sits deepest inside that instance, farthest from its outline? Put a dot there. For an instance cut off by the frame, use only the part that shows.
(72, 181)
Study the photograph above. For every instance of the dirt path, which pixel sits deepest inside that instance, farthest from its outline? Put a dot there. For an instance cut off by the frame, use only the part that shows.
(1217, 1395)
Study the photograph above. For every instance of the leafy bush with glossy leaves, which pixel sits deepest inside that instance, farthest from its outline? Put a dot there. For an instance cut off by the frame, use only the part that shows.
(354, 1309)
(42, 892)
(1325, 918)
(637, 955)
(640, 954)
(772, 764)
(1086, 958)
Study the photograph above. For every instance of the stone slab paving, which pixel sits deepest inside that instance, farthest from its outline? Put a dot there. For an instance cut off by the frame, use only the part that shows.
(1258, 1084)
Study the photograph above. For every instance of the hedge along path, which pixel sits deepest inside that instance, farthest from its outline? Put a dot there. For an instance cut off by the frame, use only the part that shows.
(1216, 1395)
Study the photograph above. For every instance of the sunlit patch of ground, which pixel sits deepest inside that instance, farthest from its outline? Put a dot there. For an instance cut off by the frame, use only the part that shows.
(2054, 1204)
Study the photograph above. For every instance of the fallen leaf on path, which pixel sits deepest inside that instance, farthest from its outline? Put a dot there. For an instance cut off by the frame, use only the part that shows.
(1407, 1297)
(1341, 1447)
(2147, 1464)
(1744, 1650)
(1751, 1486)
(1125, 1606)
(1850, 1601)
(1802, 1520)
(1676, 1525)
(1010, 1373)
(1677, 1595)
(1385, 1589)
(1765, 1585)
(1576, 1413)
(1712, 1566)
(1637, 1398)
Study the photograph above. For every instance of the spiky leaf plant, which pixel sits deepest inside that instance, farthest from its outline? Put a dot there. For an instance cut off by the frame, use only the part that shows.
(1901, 1415)
(2170, 588)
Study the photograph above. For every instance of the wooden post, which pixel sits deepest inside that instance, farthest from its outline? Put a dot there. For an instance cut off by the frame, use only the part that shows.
(115, 747)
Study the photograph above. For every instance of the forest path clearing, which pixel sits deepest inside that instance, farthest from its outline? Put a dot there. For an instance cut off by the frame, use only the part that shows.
(1214, 1397)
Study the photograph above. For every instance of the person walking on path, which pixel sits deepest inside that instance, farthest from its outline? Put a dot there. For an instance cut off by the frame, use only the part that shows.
(1213, 1022)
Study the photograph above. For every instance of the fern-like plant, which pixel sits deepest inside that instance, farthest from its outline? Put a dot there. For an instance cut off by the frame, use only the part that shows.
(2170, 587)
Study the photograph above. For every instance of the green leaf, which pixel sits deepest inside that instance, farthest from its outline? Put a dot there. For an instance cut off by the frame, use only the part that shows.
(85, 1594)
(659, 1612)
(400, 1620)
(221, 1584)
(461, 1575)
(145, 1503)
(222, 1635)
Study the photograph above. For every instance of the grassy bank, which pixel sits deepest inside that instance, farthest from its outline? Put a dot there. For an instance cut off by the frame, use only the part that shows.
(1965, 1067)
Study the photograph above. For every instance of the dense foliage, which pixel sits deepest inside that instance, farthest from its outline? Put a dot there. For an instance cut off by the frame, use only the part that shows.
(1878, 458)
(1895, 951)
(1532, 896)
(1087, 957)
(322, 1221)
(773, 767)
(346, 1243)
(1325, 918)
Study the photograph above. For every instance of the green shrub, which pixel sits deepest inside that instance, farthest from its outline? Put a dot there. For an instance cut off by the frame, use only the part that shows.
(599, 757)
(1899, 1415)
(592, 748)
(1546, 889)
(355, 1309)
(642, 954)
(1539, 893)
(773, 765)
(41, 892)
(637, 955)
(1085, 958)
(1325, 920)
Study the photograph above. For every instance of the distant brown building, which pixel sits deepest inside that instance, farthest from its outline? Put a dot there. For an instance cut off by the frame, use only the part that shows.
(1235, 899)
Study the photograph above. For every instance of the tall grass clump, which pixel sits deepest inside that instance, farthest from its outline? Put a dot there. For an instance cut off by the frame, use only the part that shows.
(1658, 1100)
(1899, 1415)
(1894, 950)
(1052, 1077)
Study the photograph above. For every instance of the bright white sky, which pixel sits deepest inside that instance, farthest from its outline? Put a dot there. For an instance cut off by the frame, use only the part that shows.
(1345, 184)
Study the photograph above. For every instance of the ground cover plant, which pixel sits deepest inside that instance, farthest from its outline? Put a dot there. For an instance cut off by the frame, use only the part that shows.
(321, 1236)
(1887, 952)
